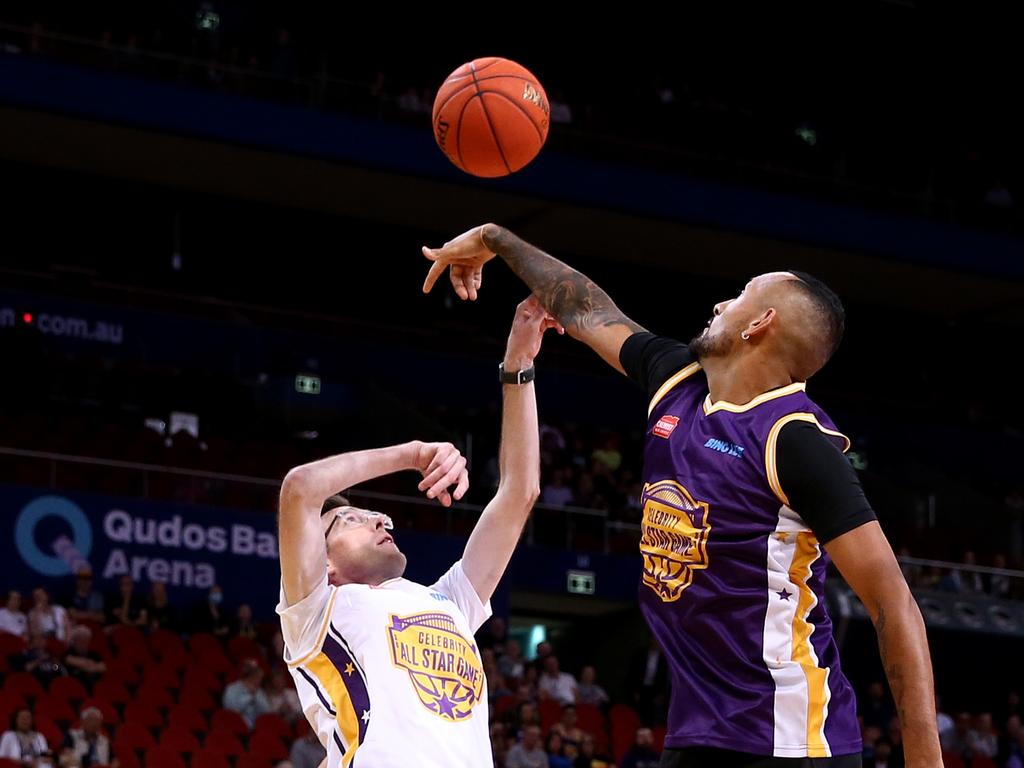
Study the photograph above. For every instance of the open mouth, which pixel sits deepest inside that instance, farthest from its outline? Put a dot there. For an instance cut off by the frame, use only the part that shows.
(385, 540)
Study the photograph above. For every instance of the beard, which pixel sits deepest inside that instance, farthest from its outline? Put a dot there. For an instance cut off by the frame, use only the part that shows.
(706, 345)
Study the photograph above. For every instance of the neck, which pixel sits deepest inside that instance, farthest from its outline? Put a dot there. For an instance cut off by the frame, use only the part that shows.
(740, 378)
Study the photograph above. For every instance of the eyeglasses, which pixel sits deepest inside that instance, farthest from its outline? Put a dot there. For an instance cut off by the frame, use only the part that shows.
(354, 518)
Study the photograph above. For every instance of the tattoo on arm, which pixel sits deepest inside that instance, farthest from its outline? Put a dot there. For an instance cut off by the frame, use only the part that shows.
(893, 671)
(574, 299)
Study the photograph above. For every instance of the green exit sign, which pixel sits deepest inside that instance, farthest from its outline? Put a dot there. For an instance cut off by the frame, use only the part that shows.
(307, 385)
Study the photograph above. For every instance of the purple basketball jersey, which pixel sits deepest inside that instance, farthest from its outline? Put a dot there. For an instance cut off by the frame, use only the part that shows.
(733, 579)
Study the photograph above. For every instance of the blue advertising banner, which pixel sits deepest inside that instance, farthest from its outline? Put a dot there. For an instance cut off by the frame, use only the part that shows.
(189, 548)
(51, 535)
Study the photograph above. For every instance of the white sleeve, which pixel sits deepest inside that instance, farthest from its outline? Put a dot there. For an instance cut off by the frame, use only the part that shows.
(9, 746)
(456, 586)
(301, 623)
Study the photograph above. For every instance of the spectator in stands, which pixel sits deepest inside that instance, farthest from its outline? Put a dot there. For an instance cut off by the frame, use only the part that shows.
(567, 727)
(23, 743)
(521, 718)
(648, 677)
(999, 585)
(556, 754)
(588, 691)
(499, 744)
(159, 611)
(126, 607)
(971, 581)
(40, 662)
(556, 684)
(642, 754)
(87, 744)
(511, 664)
(493, 635)
(85, 603)
(544, 649)
(496, 686)
(527, 752)
(882, 755)
(245, 696)
(84, 665)
(608, 456)
(959, 743)
(282, 697)
(307, 752)
(210, 617)
(46, 619)
(982, 737)
(242, 626)
(945, 723)
(1015, 746)
(556, 493)
(590, 757)
(876, 708)
(12, 619)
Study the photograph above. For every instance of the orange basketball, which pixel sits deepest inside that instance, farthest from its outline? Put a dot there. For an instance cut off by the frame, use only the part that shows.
(491, 117)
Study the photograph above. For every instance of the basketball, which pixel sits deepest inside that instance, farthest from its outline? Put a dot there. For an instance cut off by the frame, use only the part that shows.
(491, 117)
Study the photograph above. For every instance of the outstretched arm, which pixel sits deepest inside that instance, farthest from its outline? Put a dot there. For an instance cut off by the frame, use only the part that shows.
(577, 302)
(496, 534)
(305, 488)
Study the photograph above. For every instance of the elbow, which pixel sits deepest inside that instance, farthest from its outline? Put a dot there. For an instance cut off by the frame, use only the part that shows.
(294, 485)
(522, 495)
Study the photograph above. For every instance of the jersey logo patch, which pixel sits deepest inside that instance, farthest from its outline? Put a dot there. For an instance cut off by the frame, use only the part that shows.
(444, 668)
(724, 446)
(665, 426)
(674, 538)
(439, 597)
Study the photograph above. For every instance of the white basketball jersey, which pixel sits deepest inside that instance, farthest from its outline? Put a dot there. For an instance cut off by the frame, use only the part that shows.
(390, 675)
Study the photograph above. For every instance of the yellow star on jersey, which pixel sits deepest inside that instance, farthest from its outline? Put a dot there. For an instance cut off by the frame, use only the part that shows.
(349, 669)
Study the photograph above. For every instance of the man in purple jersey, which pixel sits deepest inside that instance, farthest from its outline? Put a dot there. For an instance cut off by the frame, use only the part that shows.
(745, 489)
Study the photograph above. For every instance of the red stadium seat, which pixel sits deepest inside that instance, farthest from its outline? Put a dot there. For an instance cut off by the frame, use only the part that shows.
(160, 676)
(112, 690)
(24, 683)
(204, 643)
(950, 760)
(273, 724)
(57, 648)
(206, 759)
(980, 761)
(268, 745)
(127, 757)
(230, 721)
(123, 670)
(6, 762)
(180, 740)
(503, 704)
(624, 723)
(187, 718)
(10, 701)
(130, 644)
(57, 710)
(68, 689)
(161, 757)
(658, 737)
(11, 645)
(201, 677)
(143, 715)
(550, 713)
(156, 697)
(245, 648)
(132, 736)
(253, 761)
(223, 743)
(590, 719)
(198, 699)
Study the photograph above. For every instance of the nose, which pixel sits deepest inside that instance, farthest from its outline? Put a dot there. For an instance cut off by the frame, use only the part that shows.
(378, 523)
(720, 307)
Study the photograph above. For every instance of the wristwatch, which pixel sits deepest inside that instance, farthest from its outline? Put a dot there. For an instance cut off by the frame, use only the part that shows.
(516, 377)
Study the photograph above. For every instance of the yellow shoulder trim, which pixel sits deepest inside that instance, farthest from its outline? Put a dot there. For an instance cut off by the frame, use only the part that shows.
(320, 635)
(674, 379)
(769, 450)
(723, 405)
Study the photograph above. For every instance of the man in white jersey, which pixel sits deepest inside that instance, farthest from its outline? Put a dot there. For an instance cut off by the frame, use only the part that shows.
(386, 669)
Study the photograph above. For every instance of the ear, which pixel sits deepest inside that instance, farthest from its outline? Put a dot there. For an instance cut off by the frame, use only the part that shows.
(761, 323)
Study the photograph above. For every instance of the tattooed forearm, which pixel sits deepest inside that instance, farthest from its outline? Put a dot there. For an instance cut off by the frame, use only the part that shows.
(903, 646)
(574, 299)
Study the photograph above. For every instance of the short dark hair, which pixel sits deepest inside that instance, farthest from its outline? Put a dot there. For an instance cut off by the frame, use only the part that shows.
(333, 502)
(828, 305)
